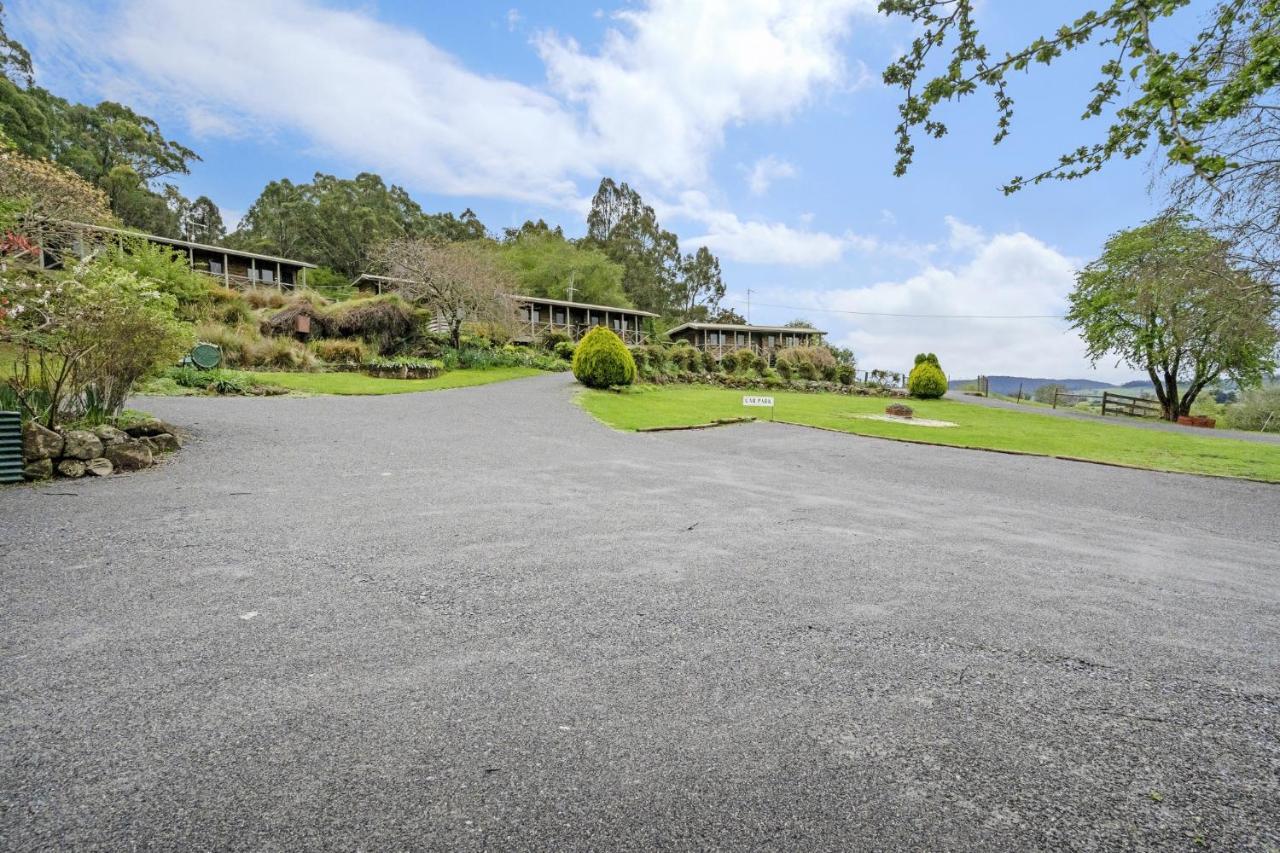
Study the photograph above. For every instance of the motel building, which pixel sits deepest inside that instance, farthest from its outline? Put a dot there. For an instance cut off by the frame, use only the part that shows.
(721, 338)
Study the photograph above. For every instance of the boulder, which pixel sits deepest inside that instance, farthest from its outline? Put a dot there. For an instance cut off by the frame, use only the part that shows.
(71, 468)
(38, 469)
(165, 442)
(40, 443)
(129, 455)
(100, 467)
(81, 444)
(148, 426)
(109, 435)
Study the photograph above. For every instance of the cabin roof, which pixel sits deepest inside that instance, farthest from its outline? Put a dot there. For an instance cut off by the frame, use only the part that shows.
(737, 327)
(564, 303)
(189, 244)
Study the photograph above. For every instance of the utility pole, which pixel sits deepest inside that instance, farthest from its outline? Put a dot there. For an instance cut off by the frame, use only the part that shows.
(749, 292)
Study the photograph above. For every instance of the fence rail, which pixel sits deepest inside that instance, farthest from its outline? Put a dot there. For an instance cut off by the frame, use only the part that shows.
(1134, 407)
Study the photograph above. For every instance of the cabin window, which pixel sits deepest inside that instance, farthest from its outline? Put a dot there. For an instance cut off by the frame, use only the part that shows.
(215, 267)
(286, 276)
(742, 339)
(266, 275)
(773, 341)
(536, 314)
(559, 317)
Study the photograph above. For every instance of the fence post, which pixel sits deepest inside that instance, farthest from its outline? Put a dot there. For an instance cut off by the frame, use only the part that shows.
(1055, 396)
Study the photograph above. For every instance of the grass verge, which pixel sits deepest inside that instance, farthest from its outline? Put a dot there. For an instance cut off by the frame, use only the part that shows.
(976, 427)
(360, 384)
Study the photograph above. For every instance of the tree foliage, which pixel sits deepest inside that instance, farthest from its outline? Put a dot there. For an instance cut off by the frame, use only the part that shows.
(458, 282)
(85, 336)
(543, 263)
(1208, 105)
(112, 147)
(656, 277)
(39, 198)
(337, 222)
(1166, 298)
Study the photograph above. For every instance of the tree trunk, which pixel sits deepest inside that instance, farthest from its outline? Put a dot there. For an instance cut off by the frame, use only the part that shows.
(455, 334)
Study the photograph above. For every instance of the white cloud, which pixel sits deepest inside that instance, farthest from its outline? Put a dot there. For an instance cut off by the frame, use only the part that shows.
(1005, 274)
(765, 171)
(652, 102)
(513, 19)
(754, 242)
(962, 236)
(661, 90)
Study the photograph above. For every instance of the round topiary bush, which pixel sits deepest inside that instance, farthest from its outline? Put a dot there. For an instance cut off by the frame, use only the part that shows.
(602, 360)
(927, 381)
(564, 349)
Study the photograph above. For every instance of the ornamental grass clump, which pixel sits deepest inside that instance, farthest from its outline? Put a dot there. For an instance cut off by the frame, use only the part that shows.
(927, 381)
(602, 360)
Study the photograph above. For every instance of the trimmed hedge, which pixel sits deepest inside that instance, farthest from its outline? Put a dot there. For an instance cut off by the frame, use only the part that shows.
(602, 360)
(927, 381)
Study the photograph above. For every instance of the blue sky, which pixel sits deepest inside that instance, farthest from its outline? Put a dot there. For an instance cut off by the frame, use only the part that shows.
(758, 128)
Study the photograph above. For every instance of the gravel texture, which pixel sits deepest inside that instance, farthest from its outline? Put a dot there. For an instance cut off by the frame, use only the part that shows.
(479, 619)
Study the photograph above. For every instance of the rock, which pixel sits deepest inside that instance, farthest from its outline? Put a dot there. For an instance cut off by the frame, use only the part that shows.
(38, 469)
(71, 468)
(129, 455)
(40, 443)
(165, 442)
(898, 410)
(81, 444)
(149, 426)
(109, 435)
(100, 467)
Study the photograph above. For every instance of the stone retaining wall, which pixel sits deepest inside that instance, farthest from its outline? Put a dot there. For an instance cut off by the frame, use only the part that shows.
(95, 452)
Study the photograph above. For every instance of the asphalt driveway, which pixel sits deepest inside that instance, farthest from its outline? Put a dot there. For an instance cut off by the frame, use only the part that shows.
(479, 619)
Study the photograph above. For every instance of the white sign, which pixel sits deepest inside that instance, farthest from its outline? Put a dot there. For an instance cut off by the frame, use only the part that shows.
(758, 401)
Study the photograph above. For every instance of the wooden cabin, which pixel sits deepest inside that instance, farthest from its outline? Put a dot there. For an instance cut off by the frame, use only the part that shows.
(538, 315)
(721, 338)
(234, 267)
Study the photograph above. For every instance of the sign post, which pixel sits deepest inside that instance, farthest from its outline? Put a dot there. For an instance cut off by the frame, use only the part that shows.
(759, 401)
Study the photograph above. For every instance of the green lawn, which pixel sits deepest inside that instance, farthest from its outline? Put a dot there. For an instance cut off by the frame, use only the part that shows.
(976, 427)
(360, 384)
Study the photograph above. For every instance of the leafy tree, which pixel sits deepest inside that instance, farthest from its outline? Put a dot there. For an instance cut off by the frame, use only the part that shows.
(39, 198)
(531, 228)
(729, 316)
(626, 229)
(1165, 298)
(1207, 106)
(700, 281)
(337, 222)
(459, 282)
(543, 263)
(799, 323)
(1047, 392)
(15, 61)
(111, 146)
(86, 334)
(200, 221)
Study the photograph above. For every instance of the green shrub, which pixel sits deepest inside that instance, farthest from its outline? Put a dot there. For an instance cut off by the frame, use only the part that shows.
(1257, 407)
(927, 381)
(232, 340)
(602, 360)
(1045, 393)
(922, 357)
(347, 351)
(844, 374)
(550, 339)
(227, 306)
(281, 353)
(564, 349)
(740, 361)
(264, 297)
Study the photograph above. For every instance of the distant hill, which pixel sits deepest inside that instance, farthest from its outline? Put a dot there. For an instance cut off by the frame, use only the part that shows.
(1010, 384)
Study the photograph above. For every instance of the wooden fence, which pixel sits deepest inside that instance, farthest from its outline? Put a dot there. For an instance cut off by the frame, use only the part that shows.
(1135, 407)
(1071, 398)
